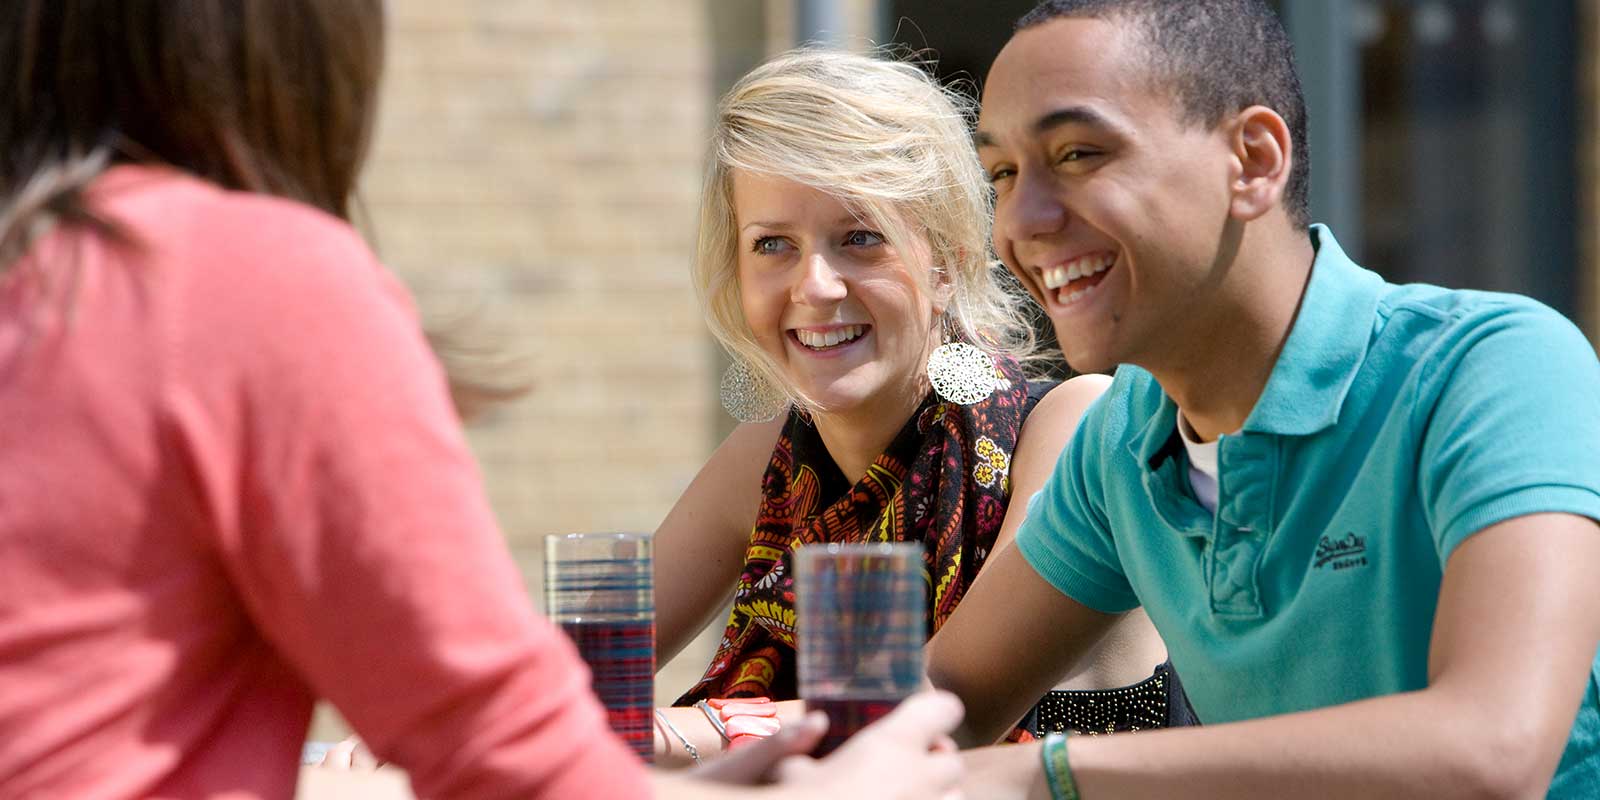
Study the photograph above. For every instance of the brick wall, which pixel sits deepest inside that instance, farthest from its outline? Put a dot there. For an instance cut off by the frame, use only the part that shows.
(534, 179)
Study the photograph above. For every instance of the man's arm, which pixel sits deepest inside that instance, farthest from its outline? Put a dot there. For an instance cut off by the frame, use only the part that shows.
(1514, 638)
(1012, 639)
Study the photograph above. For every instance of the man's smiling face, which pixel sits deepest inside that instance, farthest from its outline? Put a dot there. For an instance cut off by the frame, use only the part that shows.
(1109, 207)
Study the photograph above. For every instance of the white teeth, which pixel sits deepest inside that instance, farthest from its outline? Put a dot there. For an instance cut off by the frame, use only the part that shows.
(830, 338)
(1068, 298)
(1057, 277)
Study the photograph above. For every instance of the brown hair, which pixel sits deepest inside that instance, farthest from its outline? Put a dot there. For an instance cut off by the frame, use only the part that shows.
(272, 96)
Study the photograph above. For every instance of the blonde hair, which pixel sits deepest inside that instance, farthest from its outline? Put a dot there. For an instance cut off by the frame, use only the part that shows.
(884, 138)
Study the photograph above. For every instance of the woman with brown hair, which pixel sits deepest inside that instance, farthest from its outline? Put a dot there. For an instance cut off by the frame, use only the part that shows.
(232, 480)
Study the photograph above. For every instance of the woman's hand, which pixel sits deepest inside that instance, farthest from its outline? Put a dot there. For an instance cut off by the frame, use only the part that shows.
(907, 754)
(349, 754)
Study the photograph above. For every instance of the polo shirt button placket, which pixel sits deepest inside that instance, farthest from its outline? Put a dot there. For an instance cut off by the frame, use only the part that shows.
(1246, 474)
(1233, 589)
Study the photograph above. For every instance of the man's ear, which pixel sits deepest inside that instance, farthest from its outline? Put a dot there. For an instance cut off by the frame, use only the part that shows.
(1263, 153)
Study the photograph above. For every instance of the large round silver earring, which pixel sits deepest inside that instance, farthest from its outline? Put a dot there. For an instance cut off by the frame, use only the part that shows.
(748, 397)
(961, 373)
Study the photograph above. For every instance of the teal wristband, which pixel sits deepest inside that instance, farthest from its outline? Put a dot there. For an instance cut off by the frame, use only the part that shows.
(1057, 773)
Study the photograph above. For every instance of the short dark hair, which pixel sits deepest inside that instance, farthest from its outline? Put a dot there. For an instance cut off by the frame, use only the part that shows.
(1218, 57)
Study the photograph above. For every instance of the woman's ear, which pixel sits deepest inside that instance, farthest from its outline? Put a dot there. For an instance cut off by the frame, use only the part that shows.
(943, 286)
(1263, 152)
(943, 290)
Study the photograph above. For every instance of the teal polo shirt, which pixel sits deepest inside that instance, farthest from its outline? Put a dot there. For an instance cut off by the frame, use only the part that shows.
(1397, 422)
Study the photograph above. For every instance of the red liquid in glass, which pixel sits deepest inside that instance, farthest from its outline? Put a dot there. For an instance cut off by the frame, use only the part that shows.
(622, 658)
(845, 717)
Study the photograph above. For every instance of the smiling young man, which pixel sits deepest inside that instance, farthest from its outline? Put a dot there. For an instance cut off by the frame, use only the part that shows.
(1361, 515)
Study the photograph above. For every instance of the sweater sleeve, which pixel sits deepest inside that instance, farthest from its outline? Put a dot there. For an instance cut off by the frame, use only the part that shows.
(352, 521)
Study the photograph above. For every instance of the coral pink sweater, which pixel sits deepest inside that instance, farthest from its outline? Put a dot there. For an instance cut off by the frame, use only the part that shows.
(230, 482)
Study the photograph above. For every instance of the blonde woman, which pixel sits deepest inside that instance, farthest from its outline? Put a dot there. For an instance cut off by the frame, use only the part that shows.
(844, 263)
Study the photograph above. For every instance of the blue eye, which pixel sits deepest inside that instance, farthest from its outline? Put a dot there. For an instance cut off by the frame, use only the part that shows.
(862, 239)
(767, 245)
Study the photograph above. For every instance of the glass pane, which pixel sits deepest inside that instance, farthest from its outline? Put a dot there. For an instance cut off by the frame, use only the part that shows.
(1468, 146)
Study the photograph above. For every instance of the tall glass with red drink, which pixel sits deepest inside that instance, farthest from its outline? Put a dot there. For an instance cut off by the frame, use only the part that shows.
(599, 588)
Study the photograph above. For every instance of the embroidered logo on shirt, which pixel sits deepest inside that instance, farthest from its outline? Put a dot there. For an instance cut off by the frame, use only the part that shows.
(1350, 551)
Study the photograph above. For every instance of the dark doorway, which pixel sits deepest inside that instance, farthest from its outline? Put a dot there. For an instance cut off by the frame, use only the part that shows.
(965, 37)
(1469, 144)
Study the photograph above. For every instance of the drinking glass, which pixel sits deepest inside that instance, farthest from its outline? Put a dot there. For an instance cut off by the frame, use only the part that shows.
(599, 587)
(860, 624)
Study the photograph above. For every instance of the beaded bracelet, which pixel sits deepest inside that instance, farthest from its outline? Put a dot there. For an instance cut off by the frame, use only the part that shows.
(1057, 773)
(688, 746)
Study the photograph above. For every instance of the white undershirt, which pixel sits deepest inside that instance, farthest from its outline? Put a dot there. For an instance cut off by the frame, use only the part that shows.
(1202, 465)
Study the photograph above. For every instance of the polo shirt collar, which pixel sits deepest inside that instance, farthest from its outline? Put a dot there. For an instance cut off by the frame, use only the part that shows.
(1325, 348)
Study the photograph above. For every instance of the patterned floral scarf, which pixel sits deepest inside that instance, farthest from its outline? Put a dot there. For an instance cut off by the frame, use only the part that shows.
(944, 481)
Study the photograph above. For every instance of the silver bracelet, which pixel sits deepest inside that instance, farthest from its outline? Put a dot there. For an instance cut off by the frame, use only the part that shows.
(714, 718)
(688, 746)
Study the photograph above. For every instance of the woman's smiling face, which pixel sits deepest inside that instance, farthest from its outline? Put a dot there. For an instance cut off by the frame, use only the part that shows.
(846, 315)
